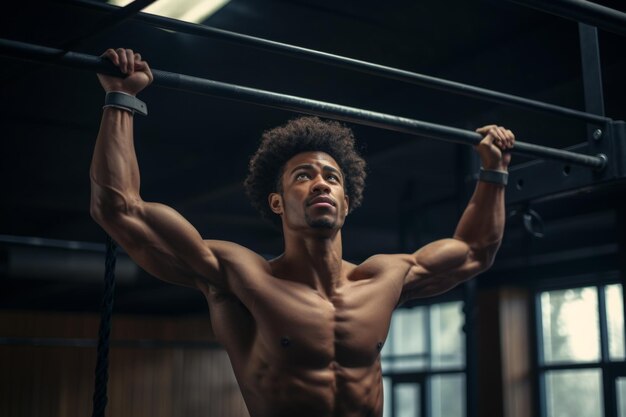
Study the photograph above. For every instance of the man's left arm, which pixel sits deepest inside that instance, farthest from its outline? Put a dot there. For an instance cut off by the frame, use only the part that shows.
(443, 264)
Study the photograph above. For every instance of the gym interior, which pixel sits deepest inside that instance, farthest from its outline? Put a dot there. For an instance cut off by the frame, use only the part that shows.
(539, 334)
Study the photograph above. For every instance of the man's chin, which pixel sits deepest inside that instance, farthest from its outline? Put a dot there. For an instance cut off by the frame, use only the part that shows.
(323, 224)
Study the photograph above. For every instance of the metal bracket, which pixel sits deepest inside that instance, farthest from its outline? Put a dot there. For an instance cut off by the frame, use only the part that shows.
(542, 179)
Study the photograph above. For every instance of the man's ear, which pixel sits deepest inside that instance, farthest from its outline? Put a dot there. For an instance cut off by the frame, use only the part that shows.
(276, 203)
(347, 204)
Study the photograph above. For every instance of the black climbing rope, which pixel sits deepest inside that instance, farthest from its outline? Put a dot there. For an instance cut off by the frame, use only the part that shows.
(100, 398)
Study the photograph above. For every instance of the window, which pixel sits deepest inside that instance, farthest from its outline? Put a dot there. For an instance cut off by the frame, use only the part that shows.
(581, 351)
(423, 362)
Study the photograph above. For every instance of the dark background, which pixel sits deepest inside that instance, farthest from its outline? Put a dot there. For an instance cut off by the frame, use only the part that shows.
(193, 150)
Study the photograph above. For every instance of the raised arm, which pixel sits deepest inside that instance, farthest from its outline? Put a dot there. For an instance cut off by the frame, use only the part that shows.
(158, 238)
(441, 265)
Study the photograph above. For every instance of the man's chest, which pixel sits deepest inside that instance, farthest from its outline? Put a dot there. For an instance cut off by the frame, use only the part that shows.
(300, 326)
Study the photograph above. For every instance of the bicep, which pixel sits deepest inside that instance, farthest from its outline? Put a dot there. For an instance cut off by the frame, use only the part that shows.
(440, 266)
(165, 244)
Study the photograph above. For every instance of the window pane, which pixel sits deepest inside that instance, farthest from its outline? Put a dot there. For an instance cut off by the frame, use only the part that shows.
(448, 338)
(408, 331)
(574, 393)
(407, 336)
(570, 325)
(447, 395)
(620, 388)
(387, 397)
(406, 400)
(615, 320)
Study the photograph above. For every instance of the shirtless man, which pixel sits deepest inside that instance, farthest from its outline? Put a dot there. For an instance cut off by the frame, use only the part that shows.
(303, 331)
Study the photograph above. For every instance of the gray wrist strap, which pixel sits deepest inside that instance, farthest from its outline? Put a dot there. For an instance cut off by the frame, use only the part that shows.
(125, 102)
(492, 176)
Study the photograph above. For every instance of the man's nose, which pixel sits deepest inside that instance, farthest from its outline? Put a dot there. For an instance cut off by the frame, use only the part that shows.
(320, 186)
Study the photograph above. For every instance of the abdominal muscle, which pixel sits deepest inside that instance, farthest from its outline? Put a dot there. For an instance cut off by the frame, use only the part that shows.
(332, 391)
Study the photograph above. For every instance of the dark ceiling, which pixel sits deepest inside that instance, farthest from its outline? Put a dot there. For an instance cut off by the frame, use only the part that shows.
(193, 150)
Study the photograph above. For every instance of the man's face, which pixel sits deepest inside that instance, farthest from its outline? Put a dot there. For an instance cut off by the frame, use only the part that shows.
(312, 193)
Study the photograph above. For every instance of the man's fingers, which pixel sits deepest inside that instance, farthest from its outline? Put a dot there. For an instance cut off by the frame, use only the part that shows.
(502, 137)
(111, 55)
(130, 61)
(146, 69)
(485, 129)
(495, 134)
(507, 137)
(123, 59)
(495, 146)
(511, 137)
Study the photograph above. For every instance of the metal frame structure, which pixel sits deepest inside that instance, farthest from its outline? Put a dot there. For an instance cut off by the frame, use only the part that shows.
(532, 181)
(53, 56)
(581, 11)
(528, 181)
(344, 62)
(540, 180)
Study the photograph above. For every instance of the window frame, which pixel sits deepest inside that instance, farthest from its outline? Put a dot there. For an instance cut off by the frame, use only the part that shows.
(423, 376)
(610, 370)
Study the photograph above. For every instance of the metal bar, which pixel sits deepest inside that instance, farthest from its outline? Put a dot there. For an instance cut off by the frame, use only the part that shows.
(591, 68)
(538, 179)
(109, 21)
(92, 343)
(607, 377)
(51, 243)
(597, 136)
(582, 11)
(198, 85)
(539, 350)
(618, 133)
(414, 376)
(471, 349)
(349, 63)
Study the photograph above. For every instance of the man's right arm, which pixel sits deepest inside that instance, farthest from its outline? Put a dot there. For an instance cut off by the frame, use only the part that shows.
(157, 237)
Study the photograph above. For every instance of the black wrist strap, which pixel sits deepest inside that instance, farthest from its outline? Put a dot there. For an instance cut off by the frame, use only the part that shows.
(493, 176)
(125, 102)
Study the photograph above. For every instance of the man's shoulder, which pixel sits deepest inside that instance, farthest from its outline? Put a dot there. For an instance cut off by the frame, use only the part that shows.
(379, 263)
(233, 253)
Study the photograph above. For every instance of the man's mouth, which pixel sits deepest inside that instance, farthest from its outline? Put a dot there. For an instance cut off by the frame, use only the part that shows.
(322, 202)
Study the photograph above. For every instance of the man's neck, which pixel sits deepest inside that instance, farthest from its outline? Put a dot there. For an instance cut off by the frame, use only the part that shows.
(314, 259)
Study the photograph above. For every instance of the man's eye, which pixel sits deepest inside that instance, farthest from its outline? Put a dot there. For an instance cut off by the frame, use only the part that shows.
(302, 176)
(332, 177)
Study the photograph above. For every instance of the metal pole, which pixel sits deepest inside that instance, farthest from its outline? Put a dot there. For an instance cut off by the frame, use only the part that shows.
(592, 69)
(349, 63)
(582, 11)
(37, 53)
(109, 21)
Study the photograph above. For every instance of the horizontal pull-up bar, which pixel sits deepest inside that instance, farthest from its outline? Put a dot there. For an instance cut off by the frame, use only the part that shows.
(37, 53)
(348, 63)
(582, 11)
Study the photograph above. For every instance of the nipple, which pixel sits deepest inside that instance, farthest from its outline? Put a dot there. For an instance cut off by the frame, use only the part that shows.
(285, 341)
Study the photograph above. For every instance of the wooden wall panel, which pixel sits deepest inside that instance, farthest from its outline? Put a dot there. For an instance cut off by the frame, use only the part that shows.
(163, 381)
(516, 352)
(504, 370)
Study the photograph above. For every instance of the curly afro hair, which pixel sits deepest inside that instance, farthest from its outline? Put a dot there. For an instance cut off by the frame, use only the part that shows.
(303, 134)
